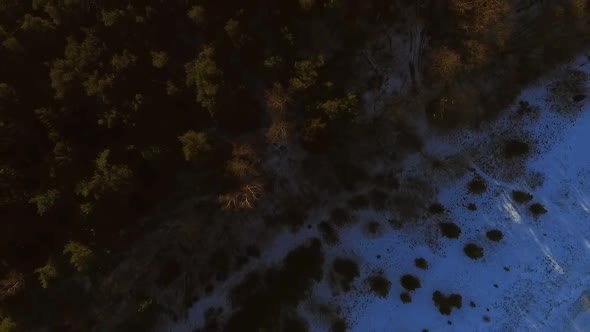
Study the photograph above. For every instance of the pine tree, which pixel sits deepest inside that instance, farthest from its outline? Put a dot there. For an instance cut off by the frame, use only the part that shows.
(107, 178)
(45, 200)
(195, 145)
(340, 108)
(159, 59)
(306, 73)
(205, 77)
(122, 61)
(36, 24)
(7, 325)
(197, 14)
(81, 256)
(47, 273)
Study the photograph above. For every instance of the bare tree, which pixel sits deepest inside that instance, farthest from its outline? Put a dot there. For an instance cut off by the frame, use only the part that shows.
(477, 16)
(445, 64)
(243, 162)
(279, 132)
(277, 99)
(243, 199)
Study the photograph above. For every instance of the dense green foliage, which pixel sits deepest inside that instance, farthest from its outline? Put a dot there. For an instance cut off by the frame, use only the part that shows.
(7, 325)
(47, 273)
(103, 104)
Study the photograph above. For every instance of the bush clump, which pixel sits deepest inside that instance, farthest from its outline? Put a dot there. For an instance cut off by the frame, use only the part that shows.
(521, 197)
(471, 207)
(373, 227)
(421, 263)
(473, 251)
(347, 270)
(525, 108)
(410, 282)
(477, 186)
(537, 209)
(379, 285)
(405, 297)
(328, 232)
(579, 98)
(450, 230)
(495, 235)
(515, 148)
(445, 304)
(338, 325)
(436, 208)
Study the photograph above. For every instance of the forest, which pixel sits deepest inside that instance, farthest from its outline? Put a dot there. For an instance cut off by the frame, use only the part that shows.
(113, 111)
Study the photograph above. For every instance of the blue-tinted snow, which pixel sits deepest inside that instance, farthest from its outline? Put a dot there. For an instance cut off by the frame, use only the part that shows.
(535, 279)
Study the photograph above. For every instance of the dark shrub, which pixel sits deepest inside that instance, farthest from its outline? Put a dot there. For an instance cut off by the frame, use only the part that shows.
(373, 227)
(477, 186)
(328, 232)
(579, 98)
(515, 148)
(537, 209)
(421, 263)
(525, 108)
(410, 282)
(495, 235)
(521, 197)
(436, 208)
(395, 223)
(405, 297)
(471, 207)
(338, 325)
(445, 304)
(347, 270)
(450, 230)
(379, 285)
(473, 251)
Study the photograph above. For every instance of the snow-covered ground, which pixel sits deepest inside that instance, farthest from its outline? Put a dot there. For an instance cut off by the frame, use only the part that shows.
(536, 278)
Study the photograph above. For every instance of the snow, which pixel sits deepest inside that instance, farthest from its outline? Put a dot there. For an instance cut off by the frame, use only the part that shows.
(536, 278)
